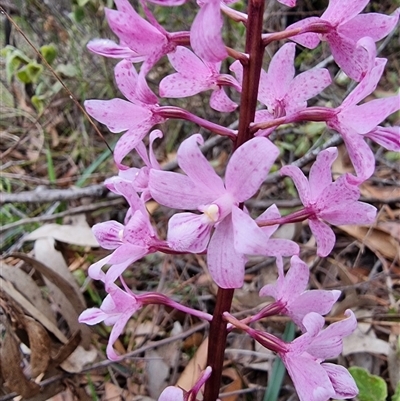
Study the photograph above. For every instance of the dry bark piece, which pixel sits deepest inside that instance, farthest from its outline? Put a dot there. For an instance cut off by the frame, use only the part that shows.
(13, 376)
(39, 344)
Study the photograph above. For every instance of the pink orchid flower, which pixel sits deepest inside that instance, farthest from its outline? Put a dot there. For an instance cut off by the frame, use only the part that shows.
(314, 380)
(357, 122)
(304, 357)
(280, 90)
(194, 76)
(139, 177)
(334, 202)
(135, 116)
(139, 40)
(292, 298)
(345, 26)
(117, 308)
(130, 242)
(204, 190)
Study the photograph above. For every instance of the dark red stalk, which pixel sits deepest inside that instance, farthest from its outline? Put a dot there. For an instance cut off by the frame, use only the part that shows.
(251, 78)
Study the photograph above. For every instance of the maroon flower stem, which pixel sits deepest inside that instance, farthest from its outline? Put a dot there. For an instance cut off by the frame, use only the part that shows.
(251, 78)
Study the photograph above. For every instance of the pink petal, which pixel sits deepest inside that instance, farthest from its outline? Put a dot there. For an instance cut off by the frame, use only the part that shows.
(121, 259)
(225, 264)
(176, 86)
(281, 69)
(360, 154)
(352, 59)
(169, 3)
(342, 381)
(310, 40)
(192, 161)
(354, 213)
(266, 89)
(281, 247)
(130, 139)
(329, 342)
(220, 101)
(366, 117)
(248, 236)
(337, 194)
(249, 166)
(296, 279)
(318, 301)
(309, 378)
(366, 86)
(188, 64)
(373, 25)
(108, 234)
(324, 236)
(108, 48)
(305, 86)
(205, 34)
(115, 333)
(177, 190)
(171, 393)
(92, 316)
(300, 181)
(237, 68)
(133, 30)
(117, 114)
(289, 3)
(95, 271)
(388, 137)
(188, 232)
(340, 11)
(320, 176)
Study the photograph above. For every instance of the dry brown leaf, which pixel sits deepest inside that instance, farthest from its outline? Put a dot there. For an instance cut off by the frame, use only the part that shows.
(67, 349)
(194, 367)
(28, 288)
(157, 372)
(9, 289)
(77, 234)
(234, 385)
(375, 239)
(39, 344)
(13, 376)
(380, 193)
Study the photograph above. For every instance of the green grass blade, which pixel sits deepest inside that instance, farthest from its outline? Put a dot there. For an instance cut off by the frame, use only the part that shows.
(278, 369)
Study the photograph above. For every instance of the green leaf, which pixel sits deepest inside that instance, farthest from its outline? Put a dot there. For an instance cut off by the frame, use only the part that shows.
(37, 101)
(49, 52)
(30, 73)
(67, 70)
(371, 387)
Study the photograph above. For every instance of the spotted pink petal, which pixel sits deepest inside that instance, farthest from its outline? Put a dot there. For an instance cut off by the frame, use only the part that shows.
(305, 86)
(281, 69)
(373, 25)
(353, 213)
(340, 11)
(320, 175)
(324, 236)
(225, 264)
(220, 101)
(300, 181)
(115, 333)
(248, 167)
(367, 116)
(388, 137)
(188, 64)
(176, 86)
(309, 40)
(92, 316)
(289, 3)
(117, 114)
(205, 34)
(192, 161)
